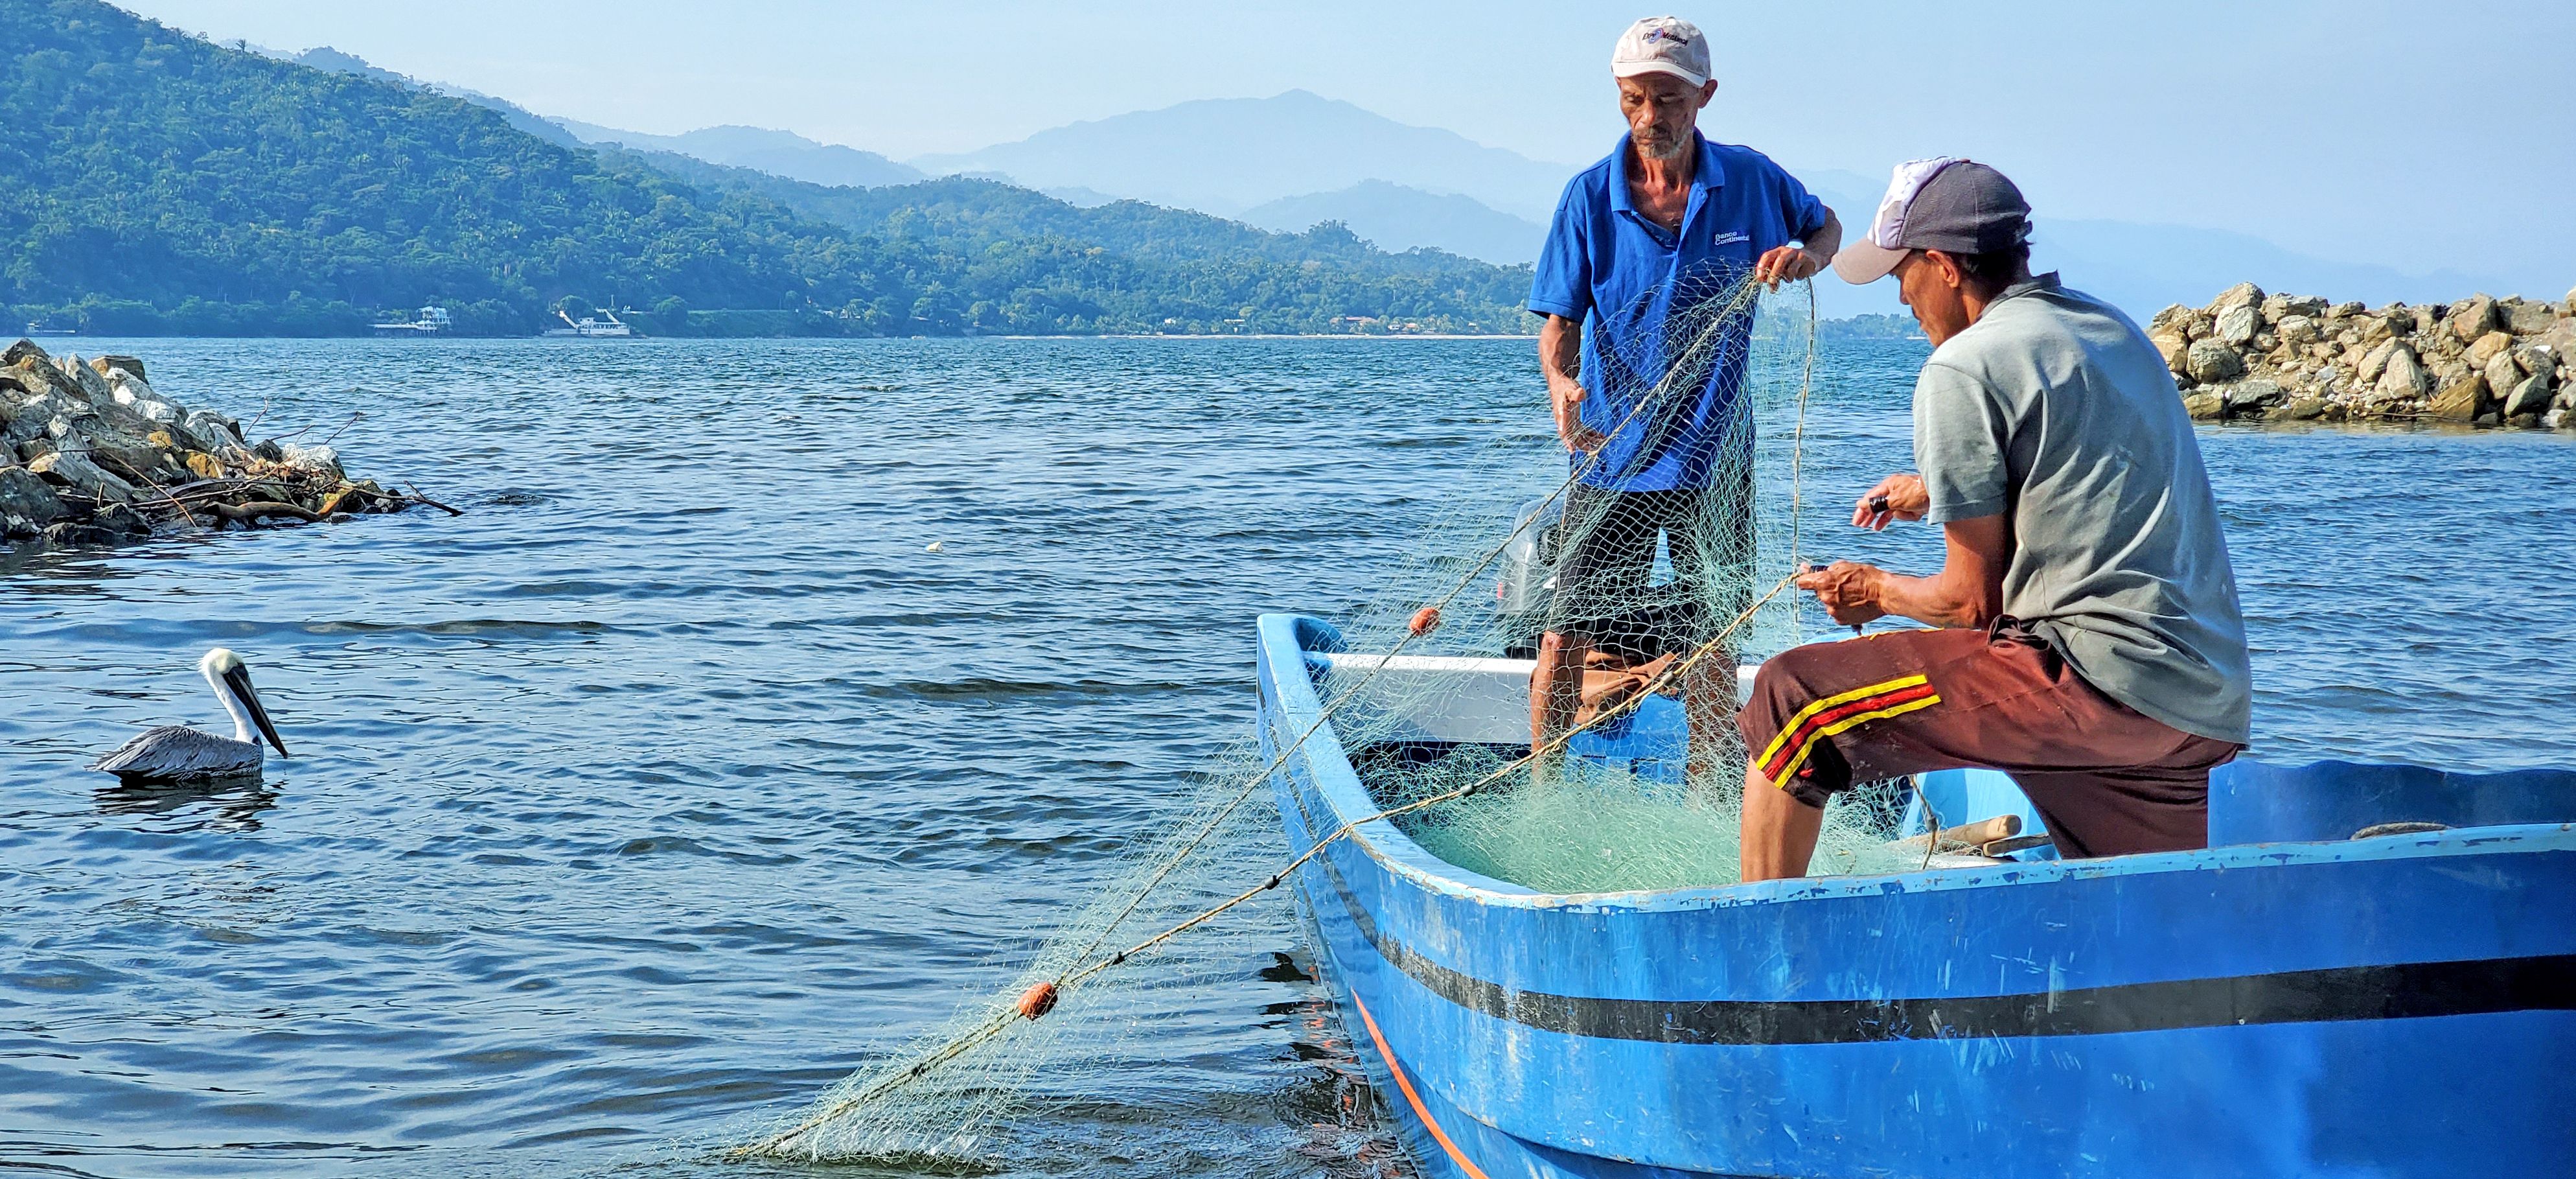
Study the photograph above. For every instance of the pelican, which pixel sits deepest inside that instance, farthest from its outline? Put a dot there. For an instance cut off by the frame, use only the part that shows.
(176, 753)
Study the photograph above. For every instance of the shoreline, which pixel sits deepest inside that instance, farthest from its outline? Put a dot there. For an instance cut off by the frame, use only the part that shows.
(2479, 361)
(92, 454)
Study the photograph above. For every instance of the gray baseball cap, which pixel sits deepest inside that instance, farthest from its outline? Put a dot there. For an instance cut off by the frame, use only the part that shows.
(1952, 205)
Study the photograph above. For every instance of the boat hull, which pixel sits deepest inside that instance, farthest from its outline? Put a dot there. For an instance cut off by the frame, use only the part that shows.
(2401, 1005)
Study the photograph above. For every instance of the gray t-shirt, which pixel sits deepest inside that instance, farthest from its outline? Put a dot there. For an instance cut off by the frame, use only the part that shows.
(2055, 410)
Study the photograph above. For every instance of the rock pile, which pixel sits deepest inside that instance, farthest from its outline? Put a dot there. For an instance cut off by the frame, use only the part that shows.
(2299, 358)
(90, 453)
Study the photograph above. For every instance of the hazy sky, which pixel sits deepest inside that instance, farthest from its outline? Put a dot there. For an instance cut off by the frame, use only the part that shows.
(2419, 136)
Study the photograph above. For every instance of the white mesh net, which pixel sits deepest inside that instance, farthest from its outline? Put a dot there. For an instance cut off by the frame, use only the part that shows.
(1652, 600)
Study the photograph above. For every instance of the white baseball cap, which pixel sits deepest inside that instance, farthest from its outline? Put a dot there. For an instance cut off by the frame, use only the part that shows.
(1662, 45)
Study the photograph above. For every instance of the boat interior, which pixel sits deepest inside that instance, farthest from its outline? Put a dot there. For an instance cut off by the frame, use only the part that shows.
(1424, 708)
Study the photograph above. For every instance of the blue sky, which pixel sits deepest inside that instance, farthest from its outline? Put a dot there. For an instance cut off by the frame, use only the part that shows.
(2417, 136)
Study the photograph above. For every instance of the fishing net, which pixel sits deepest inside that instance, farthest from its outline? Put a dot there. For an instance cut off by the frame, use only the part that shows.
(1626, 774)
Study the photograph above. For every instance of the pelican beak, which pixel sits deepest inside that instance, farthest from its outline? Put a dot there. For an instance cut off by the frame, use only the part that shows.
(238, 680)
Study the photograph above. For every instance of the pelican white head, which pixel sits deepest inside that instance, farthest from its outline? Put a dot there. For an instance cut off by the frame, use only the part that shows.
(231, 680)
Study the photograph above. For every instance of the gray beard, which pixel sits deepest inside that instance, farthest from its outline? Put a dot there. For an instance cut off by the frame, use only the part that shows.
(1671, 150)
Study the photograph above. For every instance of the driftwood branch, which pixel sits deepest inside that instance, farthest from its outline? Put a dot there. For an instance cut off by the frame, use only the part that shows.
(417, 497)
(245, 513)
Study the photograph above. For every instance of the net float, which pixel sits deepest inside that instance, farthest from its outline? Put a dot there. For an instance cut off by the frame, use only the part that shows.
(1037, 1000)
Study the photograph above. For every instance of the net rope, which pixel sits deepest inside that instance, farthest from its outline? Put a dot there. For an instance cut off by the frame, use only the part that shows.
(1665, 603)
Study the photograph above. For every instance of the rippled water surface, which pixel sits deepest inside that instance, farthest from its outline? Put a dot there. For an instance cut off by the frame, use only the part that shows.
(676, 779)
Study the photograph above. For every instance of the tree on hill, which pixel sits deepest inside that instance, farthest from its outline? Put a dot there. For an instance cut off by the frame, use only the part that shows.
(157, 182)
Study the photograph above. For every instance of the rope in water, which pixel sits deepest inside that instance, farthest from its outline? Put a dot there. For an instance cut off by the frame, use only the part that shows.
(1002, 1020)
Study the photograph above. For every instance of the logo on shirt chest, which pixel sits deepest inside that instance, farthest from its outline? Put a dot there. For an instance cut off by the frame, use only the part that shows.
(1728, 238)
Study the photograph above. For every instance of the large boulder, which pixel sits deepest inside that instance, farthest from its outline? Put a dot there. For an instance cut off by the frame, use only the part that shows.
(2473, 317)
(2281, 307)
(2531, 319)
(132, 455)
(314, 460)
(35, 417)
(93, 385)
(2243, 294)
(109, 366)
(38, 376)
(2236, 326)
(2502, 371)
(2485, 348)
(2174, 348)
(2402, 379)
(144, 403)
(2532, 396)
(2559, 340)
(2461, 400)
(2205, 407)
(2298, 329)
(2253, 395)
(72, 469)
(218, 435)
(2374, 362)
(25, 348)
(2211, 362)
(27, 504)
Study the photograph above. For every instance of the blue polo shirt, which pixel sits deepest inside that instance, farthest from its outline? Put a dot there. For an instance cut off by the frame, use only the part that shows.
(1609, 263)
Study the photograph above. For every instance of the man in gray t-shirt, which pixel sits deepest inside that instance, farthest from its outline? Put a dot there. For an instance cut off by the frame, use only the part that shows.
(2090, 643)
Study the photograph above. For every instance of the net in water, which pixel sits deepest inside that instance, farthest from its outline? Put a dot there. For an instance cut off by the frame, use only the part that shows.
(1652, 602)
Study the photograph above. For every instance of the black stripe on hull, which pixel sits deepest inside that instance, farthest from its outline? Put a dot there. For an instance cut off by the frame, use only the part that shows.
(2411, 990)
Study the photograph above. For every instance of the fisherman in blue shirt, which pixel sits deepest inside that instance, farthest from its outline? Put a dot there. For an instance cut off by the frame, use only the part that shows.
(1647, 245)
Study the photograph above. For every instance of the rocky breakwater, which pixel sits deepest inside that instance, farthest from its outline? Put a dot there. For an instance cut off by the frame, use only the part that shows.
(90, 453)
(2480, 361)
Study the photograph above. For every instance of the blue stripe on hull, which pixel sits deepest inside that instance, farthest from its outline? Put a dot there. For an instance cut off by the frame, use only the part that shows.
(2363, 1080)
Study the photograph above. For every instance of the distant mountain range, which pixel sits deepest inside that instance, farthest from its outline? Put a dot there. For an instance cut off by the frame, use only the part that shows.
(332, 61)
(1296, 160)
(1397, 217)
(1227, 155)
(779, 153)
(163, 184)
(2139, 267)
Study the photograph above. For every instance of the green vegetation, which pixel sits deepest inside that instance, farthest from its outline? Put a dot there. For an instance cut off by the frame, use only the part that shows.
(151, 182)
(1873, 327)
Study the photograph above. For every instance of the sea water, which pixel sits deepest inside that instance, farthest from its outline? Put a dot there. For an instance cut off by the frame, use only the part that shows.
(677, 778)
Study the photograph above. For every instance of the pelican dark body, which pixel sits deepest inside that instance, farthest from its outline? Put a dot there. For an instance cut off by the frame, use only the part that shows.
(176, 753)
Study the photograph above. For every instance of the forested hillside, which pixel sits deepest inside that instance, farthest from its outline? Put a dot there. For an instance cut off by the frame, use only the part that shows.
(153, 182)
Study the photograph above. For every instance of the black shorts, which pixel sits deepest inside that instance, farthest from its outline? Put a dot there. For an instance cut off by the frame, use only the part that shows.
(1604, 547)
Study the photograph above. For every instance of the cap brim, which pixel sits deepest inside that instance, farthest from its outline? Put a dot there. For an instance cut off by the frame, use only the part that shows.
(1864, 262)
(1635, 68)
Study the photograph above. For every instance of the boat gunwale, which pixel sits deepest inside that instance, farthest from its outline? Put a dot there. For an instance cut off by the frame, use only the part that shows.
(1337, 782)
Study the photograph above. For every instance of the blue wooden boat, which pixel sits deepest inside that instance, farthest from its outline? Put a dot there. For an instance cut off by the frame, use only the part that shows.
(2291, 1001)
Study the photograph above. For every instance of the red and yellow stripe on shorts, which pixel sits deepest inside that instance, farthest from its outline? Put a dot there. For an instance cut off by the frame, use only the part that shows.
(1789, 750)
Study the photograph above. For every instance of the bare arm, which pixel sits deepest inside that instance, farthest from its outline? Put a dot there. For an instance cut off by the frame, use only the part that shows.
(1560, 357)
(1968, 591)
(1789, 263)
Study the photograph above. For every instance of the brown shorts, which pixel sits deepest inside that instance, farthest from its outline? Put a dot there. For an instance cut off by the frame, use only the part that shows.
(2107, 779)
